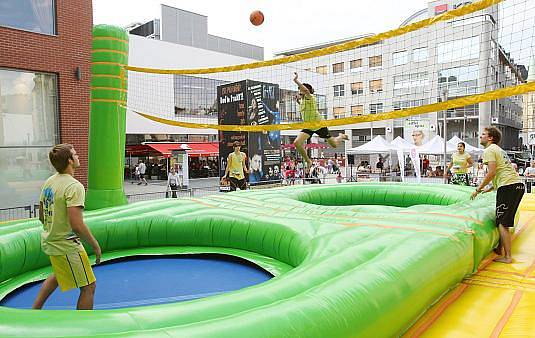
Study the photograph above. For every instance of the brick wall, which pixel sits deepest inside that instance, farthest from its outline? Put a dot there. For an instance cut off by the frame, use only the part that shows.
(60, 54)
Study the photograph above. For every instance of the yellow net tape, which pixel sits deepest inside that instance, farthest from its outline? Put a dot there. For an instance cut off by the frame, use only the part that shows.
(332, 49)
(455, 103)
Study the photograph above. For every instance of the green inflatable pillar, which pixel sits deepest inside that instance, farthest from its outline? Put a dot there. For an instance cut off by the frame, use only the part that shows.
(107, 127)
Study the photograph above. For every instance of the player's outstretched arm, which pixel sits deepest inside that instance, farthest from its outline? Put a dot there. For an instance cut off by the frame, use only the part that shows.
(300, 85)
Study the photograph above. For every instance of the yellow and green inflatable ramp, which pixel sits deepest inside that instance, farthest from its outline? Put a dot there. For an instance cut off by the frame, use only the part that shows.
(350, 260)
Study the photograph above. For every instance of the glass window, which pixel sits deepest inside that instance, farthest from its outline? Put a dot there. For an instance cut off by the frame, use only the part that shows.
(28, 108)
(338, 90)
(339, 112)
(376, 86)
(420, 54)
(338, 68)
(355, 65)
(322, 105)
(464, 49)
(459, 81)
(410, 83)
(357, 110)
(321, 69)
(195, 96)
(397, 105)
(357, 88)
(33, 15)
(400, 58)
(471, 110)
(469, 21)
(28, 129)
(376, 108)
(376, 61)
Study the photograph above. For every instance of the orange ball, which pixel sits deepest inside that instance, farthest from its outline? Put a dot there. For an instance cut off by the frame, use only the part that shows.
(256, 18)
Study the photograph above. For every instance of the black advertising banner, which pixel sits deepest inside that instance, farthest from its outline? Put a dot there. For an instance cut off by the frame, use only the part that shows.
(232, 109)
(254, 103)
(264, 147)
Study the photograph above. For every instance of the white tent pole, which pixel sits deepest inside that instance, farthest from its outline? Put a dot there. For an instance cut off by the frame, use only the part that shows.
(444, 99)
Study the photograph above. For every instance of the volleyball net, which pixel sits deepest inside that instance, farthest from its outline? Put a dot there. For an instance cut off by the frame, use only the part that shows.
(468, 59)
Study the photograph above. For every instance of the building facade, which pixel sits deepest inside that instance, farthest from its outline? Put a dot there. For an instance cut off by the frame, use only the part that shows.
(186, 28)
(156, 44)
(457, 58)
(45, 66)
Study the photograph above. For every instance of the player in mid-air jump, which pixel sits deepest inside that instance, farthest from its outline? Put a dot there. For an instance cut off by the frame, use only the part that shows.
(309, 112)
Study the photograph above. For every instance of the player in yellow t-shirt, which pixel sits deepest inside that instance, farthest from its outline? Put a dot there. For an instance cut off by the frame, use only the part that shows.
(236, 168)
(309, 112)
(60, 211)
(460, 162)
(508, 186)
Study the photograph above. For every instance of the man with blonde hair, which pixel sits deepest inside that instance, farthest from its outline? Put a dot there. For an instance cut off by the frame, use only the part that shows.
(60, 211)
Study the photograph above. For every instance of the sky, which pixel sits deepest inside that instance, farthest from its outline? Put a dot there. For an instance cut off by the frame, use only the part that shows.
(288, 24)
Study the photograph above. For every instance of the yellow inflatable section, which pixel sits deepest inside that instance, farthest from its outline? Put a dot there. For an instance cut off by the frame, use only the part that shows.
(498, 300)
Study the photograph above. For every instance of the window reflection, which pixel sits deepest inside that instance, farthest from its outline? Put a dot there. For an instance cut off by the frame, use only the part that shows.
(32, 15)
(464, 49)
(28, 129)
(28, 108)
(460, 81)
(196, 96)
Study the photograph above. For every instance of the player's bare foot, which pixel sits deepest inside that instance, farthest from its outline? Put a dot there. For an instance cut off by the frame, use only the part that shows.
(498, 251)
(503, 260)
(344, 137)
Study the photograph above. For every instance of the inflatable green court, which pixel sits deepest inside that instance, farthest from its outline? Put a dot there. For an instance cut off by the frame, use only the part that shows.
(350, 260)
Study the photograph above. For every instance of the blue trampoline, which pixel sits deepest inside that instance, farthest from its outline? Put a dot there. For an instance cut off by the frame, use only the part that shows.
(149, 280)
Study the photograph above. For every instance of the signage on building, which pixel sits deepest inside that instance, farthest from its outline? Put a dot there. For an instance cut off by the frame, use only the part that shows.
(232, 108)
(444, 7)
(250, 103)
(461, 4)
(441, 9)
(531, 138)
(417, 129)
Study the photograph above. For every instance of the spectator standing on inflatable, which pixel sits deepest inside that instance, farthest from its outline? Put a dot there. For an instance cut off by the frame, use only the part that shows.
(508, 186)
(60, 211)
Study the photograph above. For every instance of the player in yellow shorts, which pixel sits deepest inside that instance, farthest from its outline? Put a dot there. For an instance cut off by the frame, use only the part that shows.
(60, 210)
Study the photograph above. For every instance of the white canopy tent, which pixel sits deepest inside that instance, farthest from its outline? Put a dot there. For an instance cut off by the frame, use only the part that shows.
(468, 148)
(376, 146)
(400, 143)
(435, 146)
